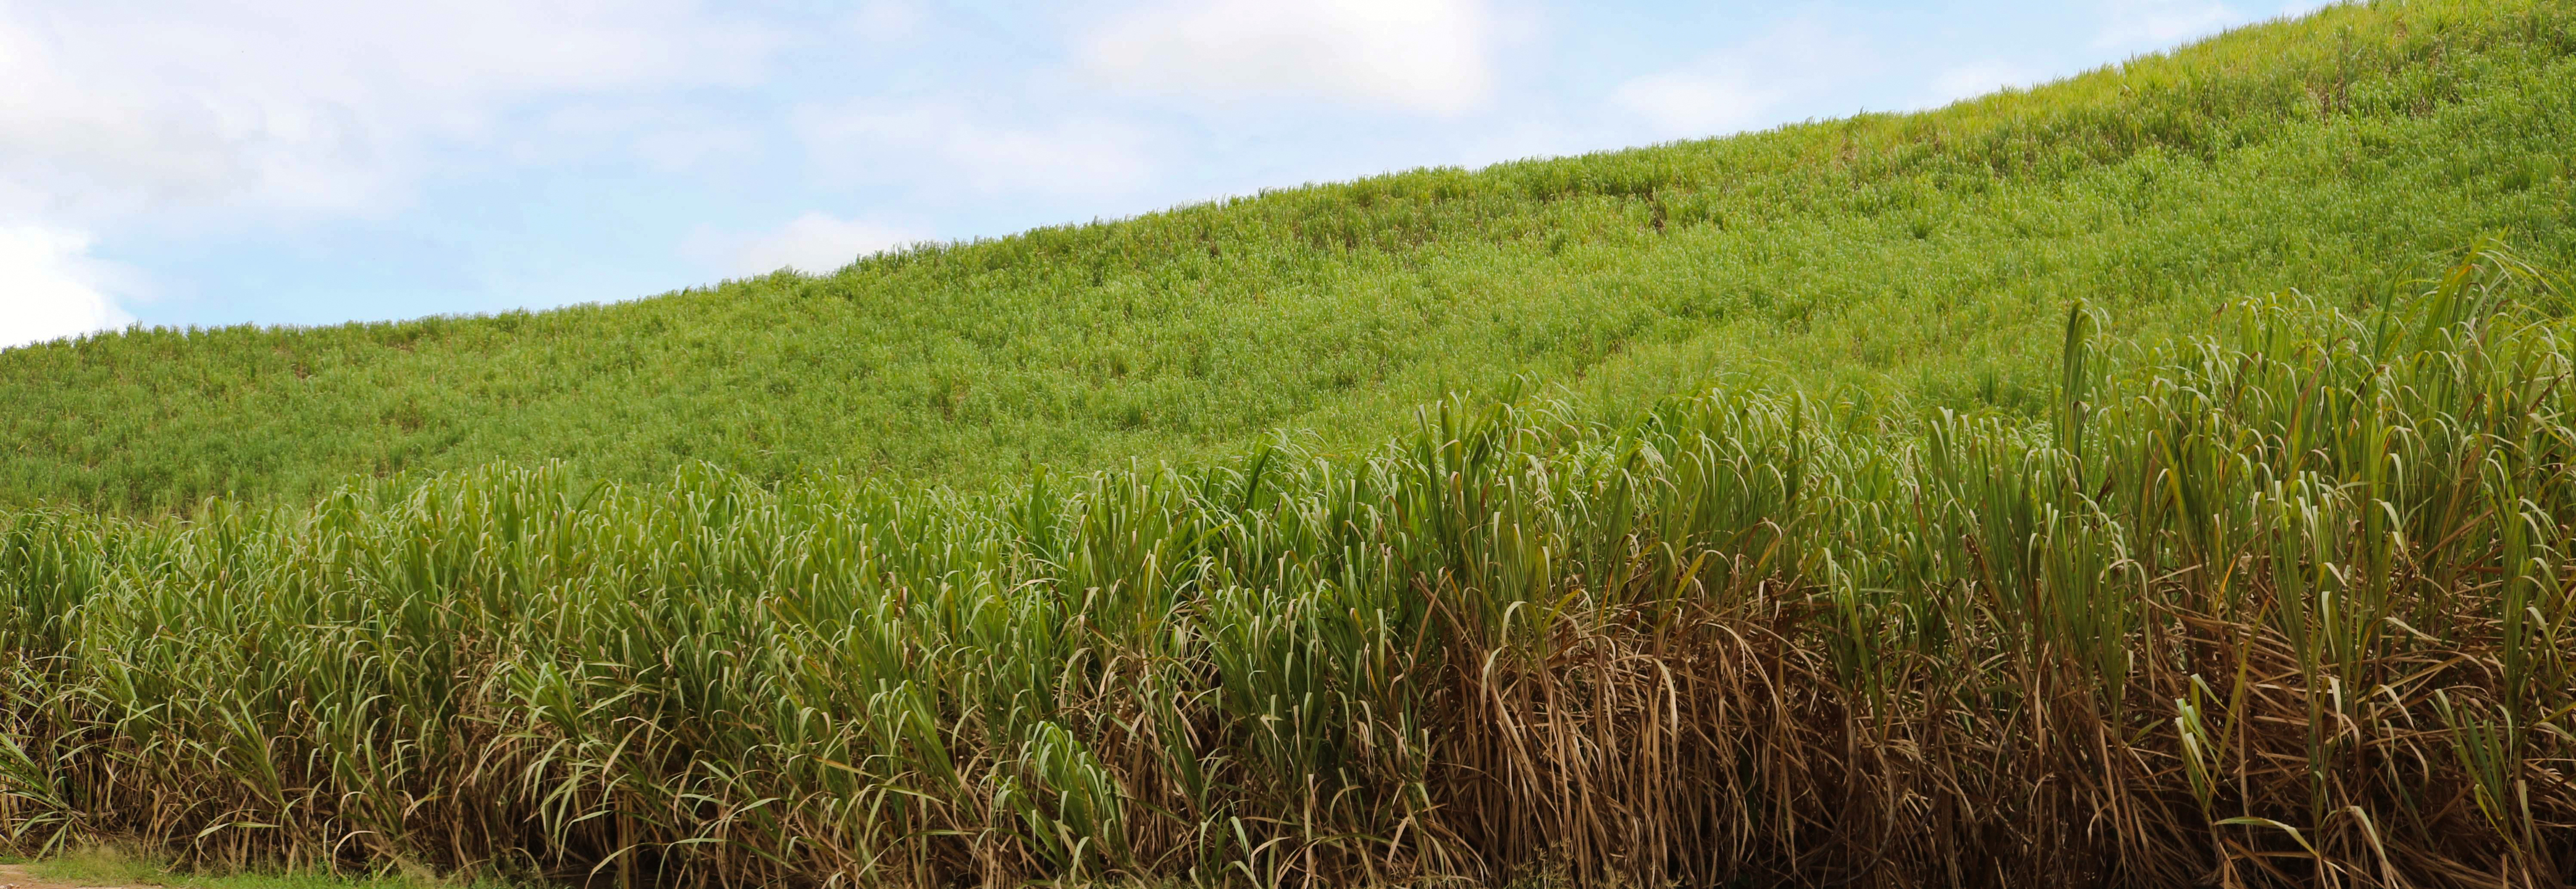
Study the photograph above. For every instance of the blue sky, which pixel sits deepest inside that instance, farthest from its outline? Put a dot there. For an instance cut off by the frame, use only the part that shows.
(313, 162)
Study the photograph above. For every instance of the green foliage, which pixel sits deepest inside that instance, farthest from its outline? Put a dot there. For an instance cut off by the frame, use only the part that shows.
(2293, 607)
(1911, 499)
(1920, 259)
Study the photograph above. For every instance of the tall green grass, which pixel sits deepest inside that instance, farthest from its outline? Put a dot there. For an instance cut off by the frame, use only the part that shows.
(1921, 259)
(2288, 604)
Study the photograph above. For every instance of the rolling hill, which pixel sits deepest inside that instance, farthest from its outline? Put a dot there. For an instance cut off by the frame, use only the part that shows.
(1895, 260)
(2158, 478)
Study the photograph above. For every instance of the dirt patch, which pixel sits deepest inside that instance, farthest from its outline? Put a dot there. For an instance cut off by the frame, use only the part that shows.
(15, 876)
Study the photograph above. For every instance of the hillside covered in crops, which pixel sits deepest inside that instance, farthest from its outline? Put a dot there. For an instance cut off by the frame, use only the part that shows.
(2165, 477)
(1908, 261)
(2289, 604)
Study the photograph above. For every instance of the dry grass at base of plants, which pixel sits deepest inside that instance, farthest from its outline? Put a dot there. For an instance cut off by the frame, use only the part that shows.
(112, 866)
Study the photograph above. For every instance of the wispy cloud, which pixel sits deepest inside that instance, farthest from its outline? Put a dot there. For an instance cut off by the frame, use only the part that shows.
(814, 243)
(1433, 56)
(1976, 78)
(668, 137)
(940, 146)
(50, 287)
(1770, 79)
(312, 105)
(2146, 24)
(882, 20)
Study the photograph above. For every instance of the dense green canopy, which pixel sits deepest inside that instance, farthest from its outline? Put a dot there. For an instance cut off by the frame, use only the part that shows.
(1917, 259)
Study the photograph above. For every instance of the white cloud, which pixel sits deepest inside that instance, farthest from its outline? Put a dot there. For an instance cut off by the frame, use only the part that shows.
(1536, 136)
(882, 20)
(939, 146)
(51, 288)
(814, 243)
(674, 150)
(1752, 84)
(2142, 25)
(1975, 79)
(670, 139)
(116, 109)
(2156, 24)
(1705, 102)
(1431, 56)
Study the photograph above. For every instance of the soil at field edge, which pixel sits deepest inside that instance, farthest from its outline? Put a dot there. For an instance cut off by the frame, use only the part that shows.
(15, 876)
